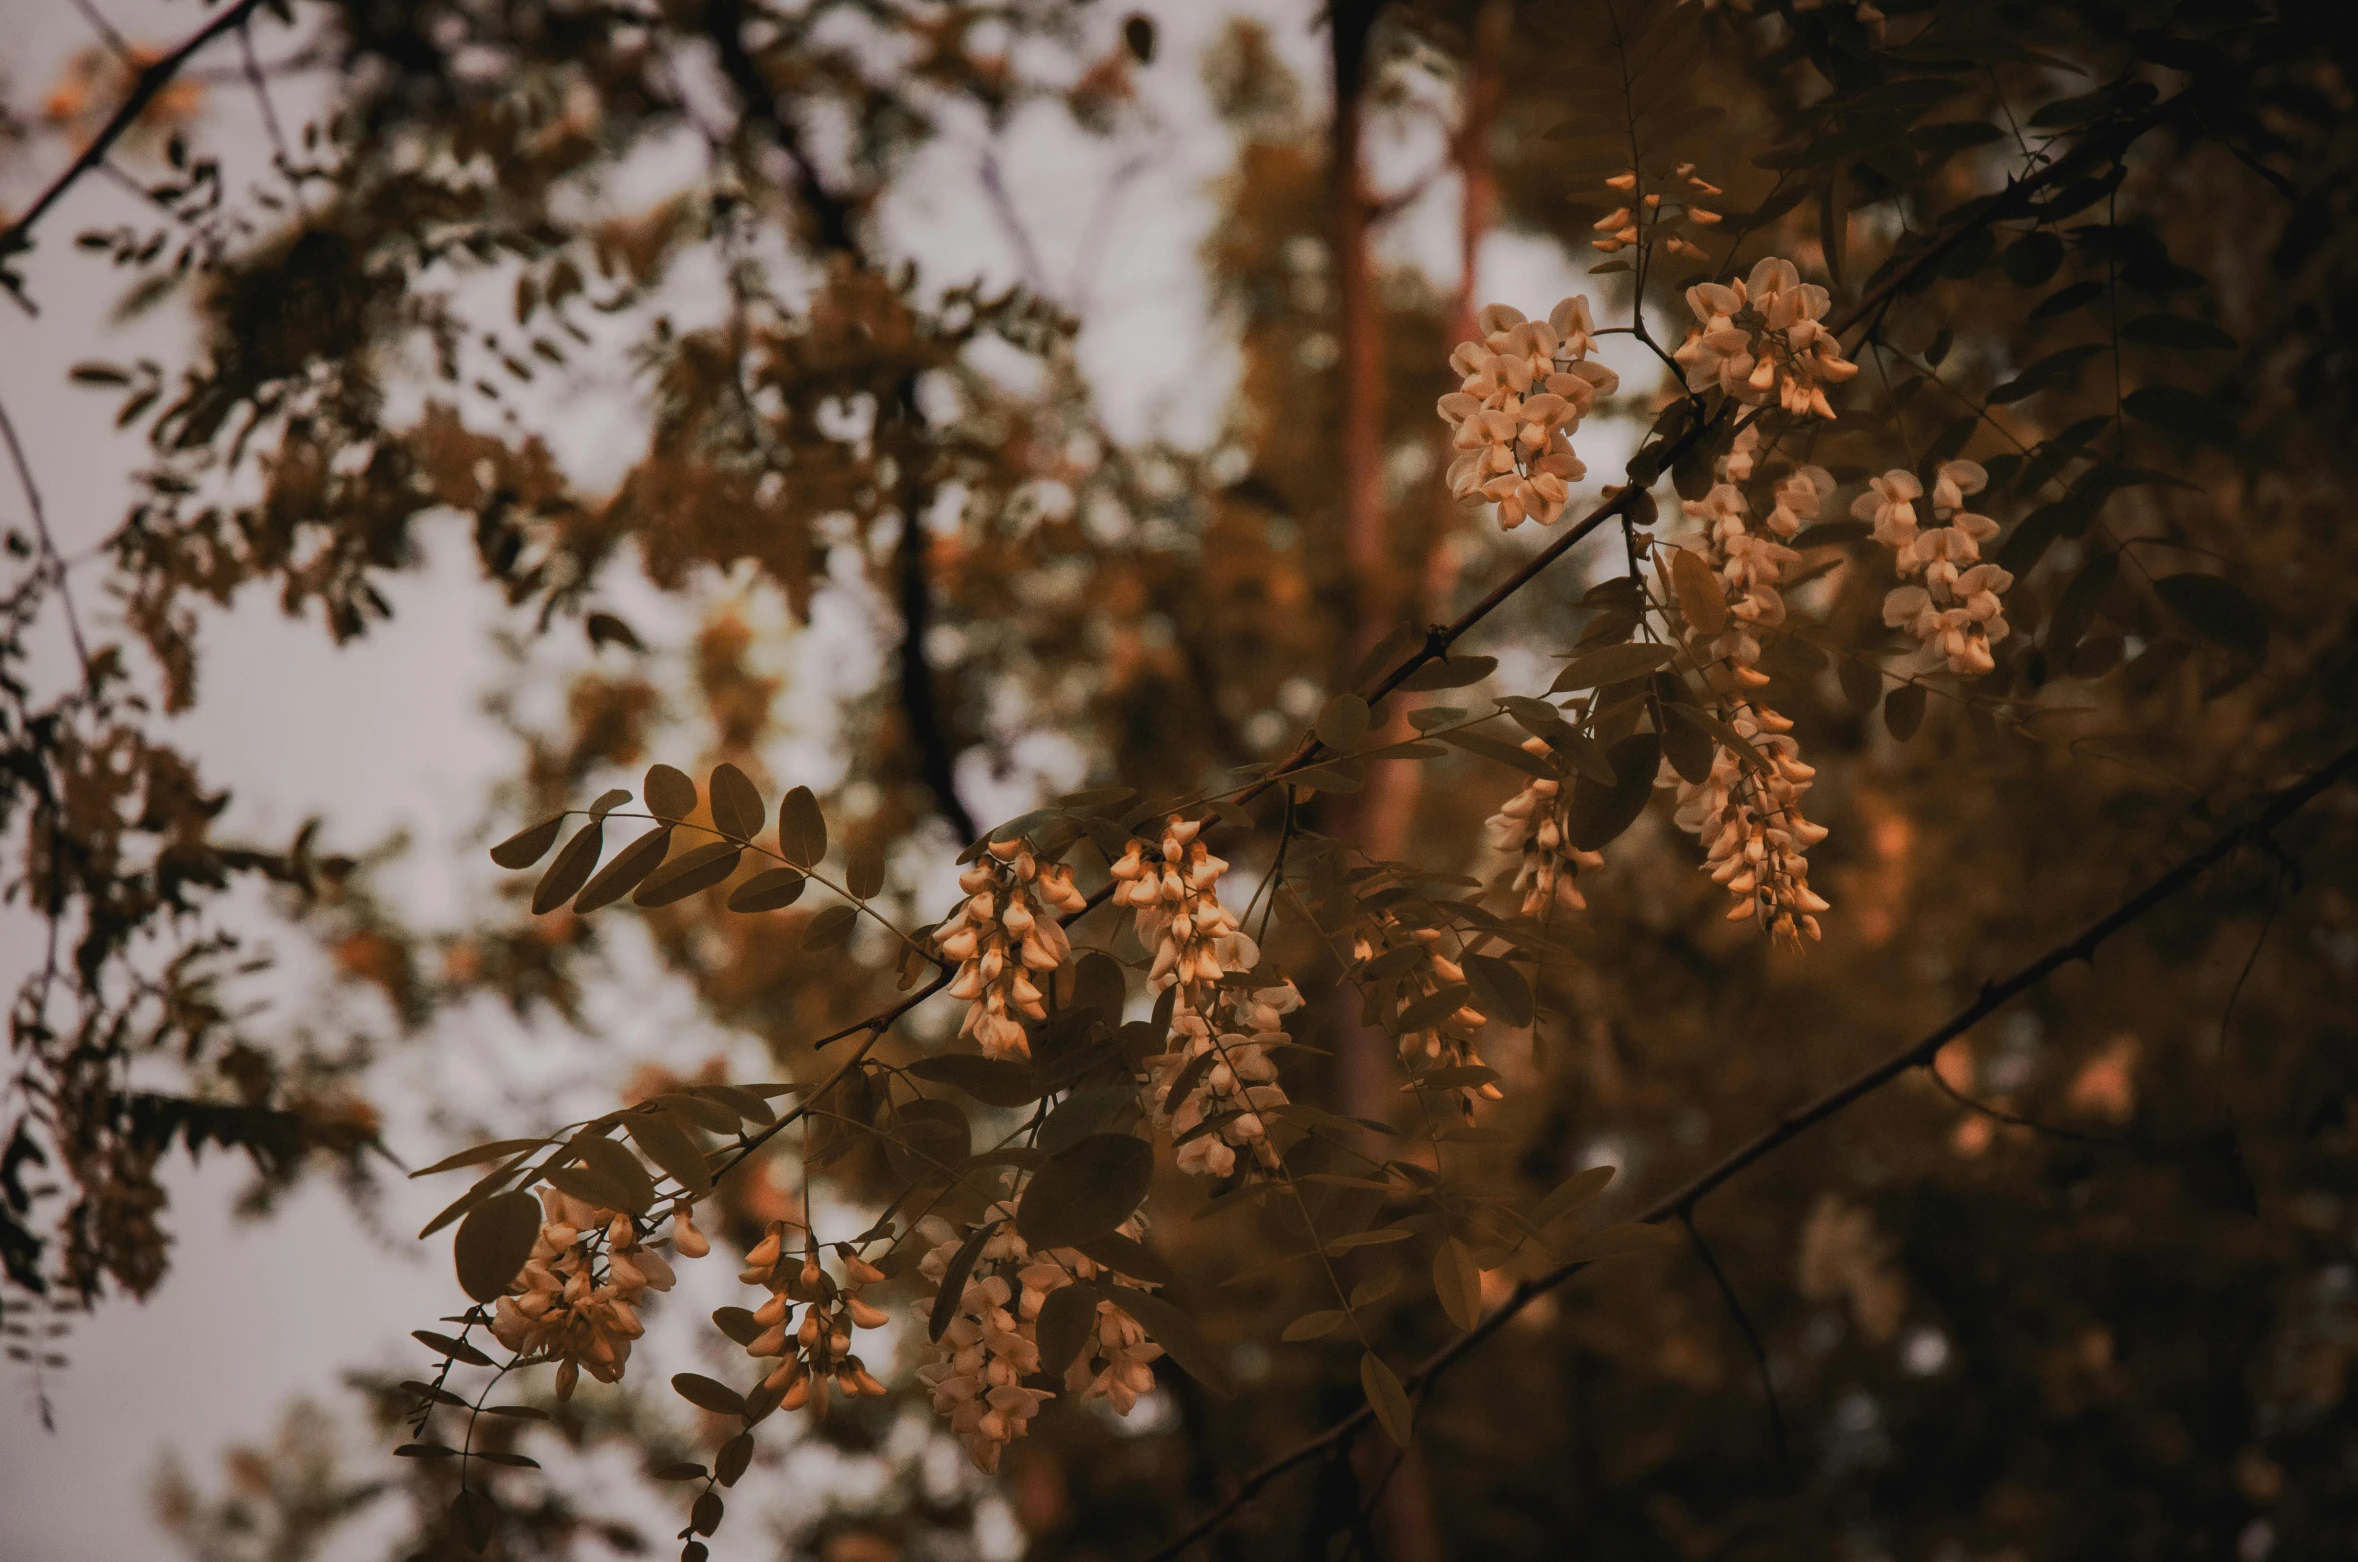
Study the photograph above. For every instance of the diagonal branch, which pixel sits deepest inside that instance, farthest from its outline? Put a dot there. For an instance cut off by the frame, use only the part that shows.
(1727, 1292)
(831, 215)
(18, 235)
(1681, 1201)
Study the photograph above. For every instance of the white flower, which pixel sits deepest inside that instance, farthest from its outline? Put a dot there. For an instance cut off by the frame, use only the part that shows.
(1889, 503)
(1953, 482)
(1524, 387)
(1534, 827)
(1762, 339)
(1008, 942)
(1754, 836)
(1232, 1092)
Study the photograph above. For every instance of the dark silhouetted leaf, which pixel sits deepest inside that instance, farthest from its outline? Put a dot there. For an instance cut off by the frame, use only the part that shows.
(1387, 1398)
(2216, 610)
(1700, 597)
(953, 1286)
(1067, 1320)
(698, 868)
(1085, 1191)
(493, 1242)
(526, 847)
(802, 828)
(630, 865)
(570, 871)
(992, 1081)
(1458, 1283)
(736, 802)
(769, 890)
(1600, 813)
(708, 1394)
(670, 1148)
(669, 793)
(1903, 711)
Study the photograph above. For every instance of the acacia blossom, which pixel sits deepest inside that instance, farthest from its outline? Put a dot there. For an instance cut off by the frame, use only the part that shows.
(562, 1305)
(817, 1352)
(1534, 827)
(1958, 613)
(1525, 385)
(1232, 1091)
(1007, 942)
(992, 1343)
(1762, 339)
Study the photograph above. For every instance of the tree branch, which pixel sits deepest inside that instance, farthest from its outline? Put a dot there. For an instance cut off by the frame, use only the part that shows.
(18, 235)
(1681, 1201)
(1727, 1291)
(831, 215)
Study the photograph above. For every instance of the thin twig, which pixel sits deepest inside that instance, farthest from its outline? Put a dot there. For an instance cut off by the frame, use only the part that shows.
(1684, 1198)
(2000, 1115)
(1727, 1291)
(52, 562)
(18, 234)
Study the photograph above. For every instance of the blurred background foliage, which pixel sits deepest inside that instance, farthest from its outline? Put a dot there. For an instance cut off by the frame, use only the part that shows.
(2108, 1312)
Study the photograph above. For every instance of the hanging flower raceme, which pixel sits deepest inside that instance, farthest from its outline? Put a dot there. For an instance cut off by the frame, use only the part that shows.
(1176, 895)
(1646, 220)
(1763, 339)
(817, 1352)
(1751, 564)
(575, 1301)
(1525, 386)
(1007, 942)
(992, 1342)
(1409, 960)
(1957, 613)
(1749, 818)
(1221, 1058)
(1534, 827)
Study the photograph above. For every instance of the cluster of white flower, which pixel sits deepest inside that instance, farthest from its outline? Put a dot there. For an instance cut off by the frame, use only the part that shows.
(1753, 833)
(819, 1350)
(1957, 614)
(1388, 948)
(561, 1306)
(1526, 384)
(1534, 827)
(1006, 940)
(1755, 837)
(1646, 220)
(1763, 339)
(1176, 895)
(1225, 1102)
(992, 1343)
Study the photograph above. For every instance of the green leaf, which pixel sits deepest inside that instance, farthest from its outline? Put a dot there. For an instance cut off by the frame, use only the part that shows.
(1599, 814)
(769, 890)
(669, 793)
(630, 866)
(953, 1286)
(1343, 722)
(1387, 1399)
(1701, 600)
(680, 1472)
(2182, 413)
(2066, 299)
(734, 1456)
(1499, 990)
(865, 874)
(1314, 1326)
(831, 927)
(526, 847)
(1093, 1109)
(1458, 1283)
(2033, 258)
(691, 871)
(497, 1149)
(736, 802)
(708, 1394)
(1611, 664)
(1455, 672)
(2176, 332)
(992, 1081)
(2052, 372)
(1067, 1319)
(802, 829)
(670, 1148)
(748, 1105)
(1903, 711)
(1085, 1191)
(493, 1242)
(1178, 1336)
(444, 1345)
(1508, 754)
(1570, 1194)
(2216, 610)
(1128, 1257)
(607, 801)
(570, 871)
(2080, 602)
